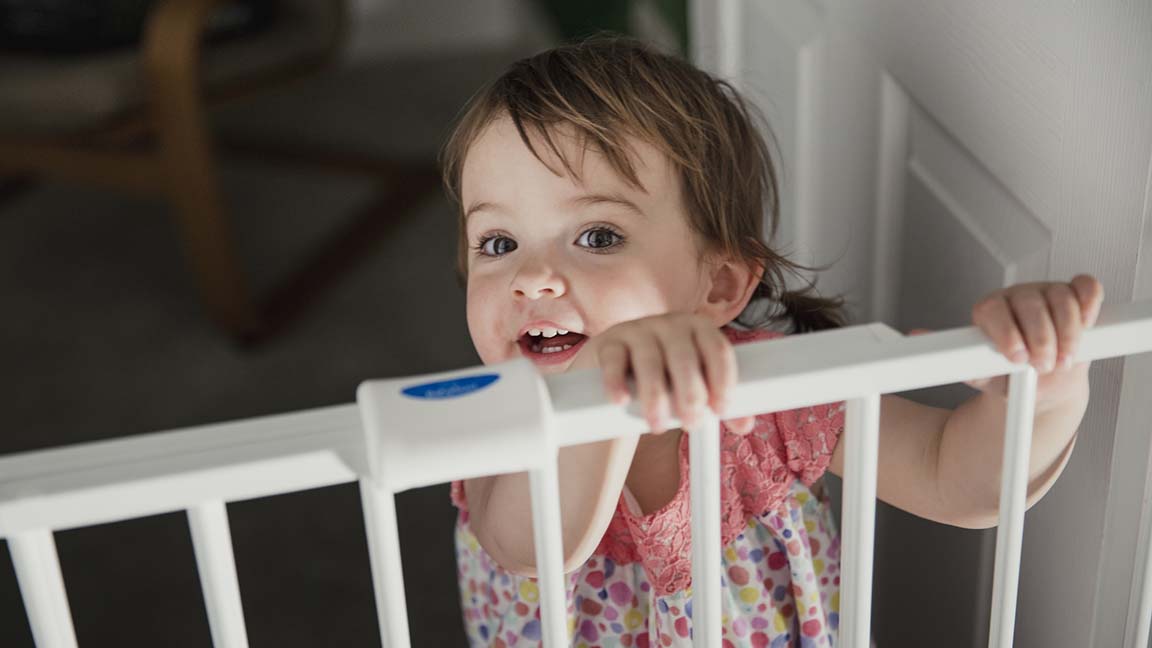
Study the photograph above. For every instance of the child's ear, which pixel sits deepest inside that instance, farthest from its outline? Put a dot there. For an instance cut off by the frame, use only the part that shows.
(731, 283)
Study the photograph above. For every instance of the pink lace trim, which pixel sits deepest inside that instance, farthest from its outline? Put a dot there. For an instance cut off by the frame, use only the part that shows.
(757, 471)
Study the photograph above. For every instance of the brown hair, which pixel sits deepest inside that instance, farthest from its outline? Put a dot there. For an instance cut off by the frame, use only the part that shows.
(608, 87)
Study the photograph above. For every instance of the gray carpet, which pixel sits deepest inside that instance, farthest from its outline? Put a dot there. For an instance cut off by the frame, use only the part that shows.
(102, 337)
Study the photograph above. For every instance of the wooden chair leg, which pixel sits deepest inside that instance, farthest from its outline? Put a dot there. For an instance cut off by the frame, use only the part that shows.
(186, 153)
(210, 249)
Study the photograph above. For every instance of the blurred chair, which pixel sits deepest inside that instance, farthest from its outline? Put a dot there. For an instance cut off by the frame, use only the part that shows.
(136, 120)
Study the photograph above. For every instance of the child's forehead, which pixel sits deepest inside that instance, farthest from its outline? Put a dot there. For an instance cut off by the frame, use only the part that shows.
(501, 142)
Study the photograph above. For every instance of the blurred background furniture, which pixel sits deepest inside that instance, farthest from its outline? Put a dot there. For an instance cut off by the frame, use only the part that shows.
(102, 340)
(125, 106)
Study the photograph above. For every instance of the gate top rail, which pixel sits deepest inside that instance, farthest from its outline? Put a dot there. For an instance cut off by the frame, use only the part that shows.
(106, 481)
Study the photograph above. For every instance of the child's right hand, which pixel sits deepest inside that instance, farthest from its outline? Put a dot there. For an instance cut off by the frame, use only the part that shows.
(684, 350)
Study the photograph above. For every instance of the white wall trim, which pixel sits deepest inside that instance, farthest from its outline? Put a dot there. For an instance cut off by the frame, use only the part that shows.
(895, 114)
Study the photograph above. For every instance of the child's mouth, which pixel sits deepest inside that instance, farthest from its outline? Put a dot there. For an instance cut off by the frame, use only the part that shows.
(551, 350)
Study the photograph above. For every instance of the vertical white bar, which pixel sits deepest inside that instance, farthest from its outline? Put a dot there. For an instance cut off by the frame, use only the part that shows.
(1013, 498)
(891, 170)
(862, 432)
(730, 60)
(704, 483)
(715, 37)
(212, 544)
(1144, 618)
(42, 586)
(387, 572)
(547, 535)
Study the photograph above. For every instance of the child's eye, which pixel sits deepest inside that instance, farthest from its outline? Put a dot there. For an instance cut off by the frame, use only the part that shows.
(495, 245)
(599, 238)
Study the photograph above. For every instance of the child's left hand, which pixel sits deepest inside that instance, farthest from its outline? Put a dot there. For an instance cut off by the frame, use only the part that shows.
(1040, 323)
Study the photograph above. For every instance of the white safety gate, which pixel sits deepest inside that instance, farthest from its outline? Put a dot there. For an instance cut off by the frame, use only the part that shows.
(494, 419)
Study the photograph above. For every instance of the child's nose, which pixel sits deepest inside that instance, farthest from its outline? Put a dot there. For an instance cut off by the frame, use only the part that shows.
(535, 281)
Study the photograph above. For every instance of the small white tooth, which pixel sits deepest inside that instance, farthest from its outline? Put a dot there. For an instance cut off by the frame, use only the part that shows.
(548, 332)
(562, 331)
(533, 331)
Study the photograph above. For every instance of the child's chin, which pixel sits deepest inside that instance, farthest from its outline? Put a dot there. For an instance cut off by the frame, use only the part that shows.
(553, 368)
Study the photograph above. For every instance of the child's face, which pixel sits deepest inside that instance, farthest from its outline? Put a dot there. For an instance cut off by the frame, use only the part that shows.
(560, 255)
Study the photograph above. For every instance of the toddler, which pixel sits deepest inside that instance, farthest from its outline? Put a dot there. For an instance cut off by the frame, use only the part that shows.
(612, 202)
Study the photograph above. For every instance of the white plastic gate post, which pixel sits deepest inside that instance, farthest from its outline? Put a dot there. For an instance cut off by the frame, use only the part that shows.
(546, 529)
(862, 436)
(499, 419)
(1013, 498)
(704, 483)
(384, 555)
(42, 586)
(212, 544)
(430, 429)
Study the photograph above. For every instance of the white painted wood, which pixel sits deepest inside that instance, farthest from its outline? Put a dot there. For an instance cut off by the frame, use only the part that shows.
(780, 44)
(709, 24)
(1131, 464)
(1013, 503)
(1138, 548)
(387, 570)
(704, 484)
(862, 435)
(703, 34)
(42, 587)
(729, 60)
(212, 544)
(895, 108)
(988, 143)
(544, 483)
(1141, 617)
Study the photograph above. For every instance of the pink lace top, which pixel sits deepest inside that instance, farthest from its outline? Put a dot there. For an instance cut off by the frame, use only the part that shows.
(781, 556)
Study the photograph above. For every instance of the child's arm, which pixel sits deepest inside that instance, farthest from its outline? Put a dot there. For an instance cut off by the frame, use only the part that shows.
(700, 366)
(945, 465)
(591, 478)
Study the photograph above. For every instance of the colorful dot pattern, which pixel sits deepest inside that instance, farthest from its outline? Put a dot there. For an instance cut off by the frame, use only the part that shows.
(780, 588)
(781, 561)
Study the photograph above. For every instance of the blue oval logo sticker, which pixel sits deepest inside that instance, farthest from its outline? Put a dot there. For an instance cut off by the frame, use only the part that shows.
(453, 388)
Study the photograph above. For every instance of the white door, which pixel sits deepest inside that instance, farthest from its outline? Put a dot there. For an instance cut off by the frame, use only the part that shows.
(934, 151)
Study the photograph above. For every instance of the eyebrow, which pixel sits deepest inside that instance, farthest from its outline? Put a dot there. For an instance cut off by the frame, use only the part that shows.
(578, 201)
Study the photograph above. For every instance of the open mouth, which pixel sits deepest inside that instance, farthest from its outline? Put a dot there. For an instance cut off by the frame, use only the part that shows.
(551, 346)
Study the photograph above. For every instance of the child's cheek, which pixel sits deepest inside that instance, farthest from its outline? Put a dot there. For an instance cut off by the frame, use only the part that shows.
(480, 328)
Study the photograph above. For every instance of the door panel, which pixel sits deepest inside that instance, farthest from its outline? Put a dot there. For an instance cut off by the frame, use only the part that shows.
(933, 152)
(784, 39)
(959, 228)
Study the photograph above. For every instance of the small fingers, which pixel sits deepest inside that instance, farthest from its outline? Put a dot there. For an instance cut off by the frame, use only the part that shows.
(719, 366)
(1030, 309)
(994, 316)
(1090, 295)
(647, 361)
(1066, 318)
(689, 392)
(613, 359)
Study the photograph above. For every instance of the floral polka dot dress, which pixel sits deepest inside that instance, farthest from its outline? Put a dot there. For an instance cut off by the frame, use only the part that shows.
(781, 553)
